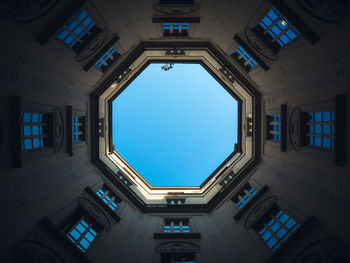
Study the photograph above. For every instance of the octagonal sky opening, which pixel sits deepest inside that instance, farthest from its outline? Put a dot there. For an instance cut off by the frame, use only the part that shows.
(175, 124)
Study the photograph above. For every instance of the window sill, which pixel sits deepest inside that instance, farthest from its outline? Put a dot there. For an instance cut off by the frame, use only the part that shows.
(251, 203)
(177, 235)
(102, 204)
(52, 229)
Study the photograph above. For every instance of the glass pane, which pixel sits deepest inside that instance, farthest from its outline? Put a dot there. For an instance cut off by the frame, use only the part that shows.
(89, 237)
(84, 243)
(27, 131)
(36, 143)
(283, 218)
(272, 242)
(318, 141)
(326, 142)
(318, 129)
(80, 228)
(27, 144)
(273, 14)
(27, 117)
(35, 130)
(281, 233)
(275, 227)
(75, 234)
(290, 223)
(326, 116)
(326, 129)
(266, 236)
(318, 116)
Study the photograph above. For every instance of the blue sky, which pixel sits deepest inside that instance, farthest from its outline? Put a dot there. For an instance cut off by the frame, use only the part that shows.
(174, 127)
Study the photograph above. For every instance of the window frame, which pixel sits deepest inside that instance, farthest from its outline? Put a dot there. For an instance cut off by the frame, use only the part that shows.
(166, 25)
(270, 121)
(92, 192)
(86, 38)
(253, 198)
(262, 212)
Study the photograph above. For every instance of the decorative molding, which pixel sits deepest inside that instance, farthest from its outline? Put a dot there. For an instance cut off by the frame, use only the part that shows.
(324, 250)
(259, 211)
(177, 246)
(259, 45)
(118, 71)
(177, 235)
(176, 9)
(256, 197)
(294, 128)
(26, 11)
(58, 129)
(69, 142)
(96, 212)
(35, 252)
(176, 20)
(50, 31)
(283, 127)
(340, 129)
(47, 225)
(93, 45)
(328, 11)
(251, 52)
(92, 61)
(94, 196)
(175, 52)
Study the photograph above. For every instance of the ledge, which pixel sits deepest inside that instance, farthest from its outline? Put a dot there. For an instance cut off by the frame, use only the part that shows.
(177, 235)
(176, 20)
(250, 203)
(102, 204)
(47, 225)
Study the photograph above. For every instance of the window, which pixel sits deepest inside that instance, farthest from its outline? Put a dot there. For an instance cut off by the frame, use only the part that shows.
(277, 228)
(74, 32)
(82, 234)
(244, 196)
(106, 58)
(175, 201)
(176, 226)
(273, 127)
(108, 198)
(320, 129)
(277, 29)
(77, 128)
(33, 131)
(175, 29)
(244, 58)
(178, 257)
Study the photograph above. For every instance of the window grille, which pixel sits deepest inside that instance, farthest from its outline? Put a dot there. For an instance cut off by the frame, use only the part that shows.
(33, 131)
(244, 58)
(276, 229)
(176, 226)
(77, 29)
(82, 234)
(277, 28)
(108, 198)
(320, 129)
